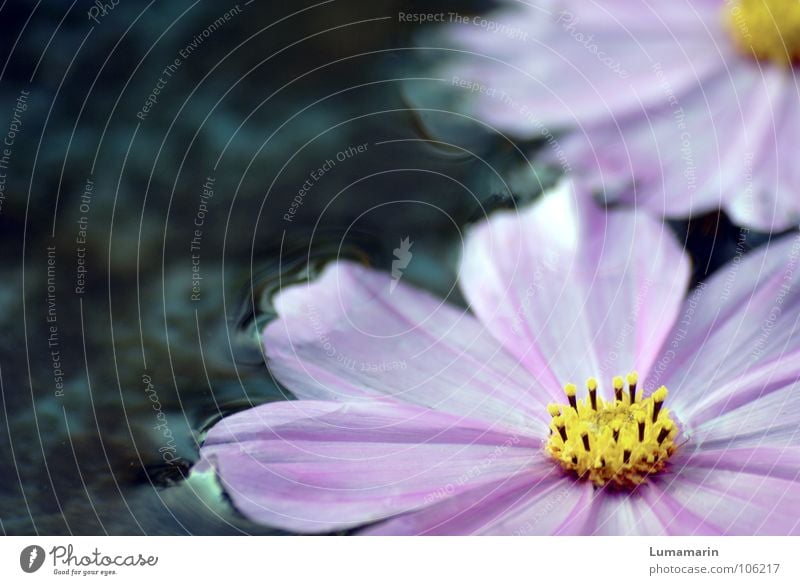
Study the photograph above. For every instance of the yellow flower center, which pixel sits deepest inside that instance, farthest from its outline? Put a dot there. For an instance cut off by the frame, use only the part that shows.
(619, 442)
(766, 29)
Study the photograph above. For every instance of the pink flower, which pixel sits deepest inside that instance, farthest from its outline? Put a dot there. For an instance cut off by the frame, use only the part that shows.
(418, 417)
(681, 107)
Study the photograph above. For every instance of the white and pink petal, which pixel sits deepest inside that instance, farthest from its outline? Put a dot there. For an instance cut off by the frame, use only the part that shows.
(572, 290)
(737, 499)
(356, 333)
(542, 500)
(563, 64)
(319, 467)
(737, 339)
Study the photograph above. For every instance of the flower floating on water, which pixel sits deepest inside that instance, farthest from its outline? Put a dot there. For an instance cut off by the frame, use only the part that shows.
(417, 417)
(681, 107)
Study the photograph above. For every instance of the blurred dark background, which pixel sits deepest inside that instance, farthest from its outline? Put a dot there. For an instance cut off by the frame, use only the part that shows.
(141, 233)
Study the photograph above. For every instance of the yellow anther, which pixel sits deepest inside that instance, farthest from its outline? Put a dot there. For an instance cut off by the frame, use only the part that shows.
(766, 29)
(560, 426)
(570, 390)
(591, 384)
(612, 442)
(633, 378)
(618, 383)
(659, 396)
(640, 422)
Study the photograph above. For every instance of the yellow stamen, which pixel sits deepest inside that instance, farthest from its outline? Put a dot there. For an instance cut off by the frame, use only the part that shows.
(617, 443)
(659, 396)
(641, 419)
(591, 385)
(633, 378)
(619, 384)
(570, 390)
(766, 29)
